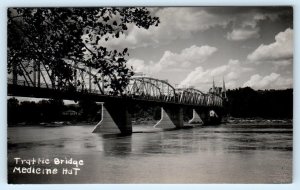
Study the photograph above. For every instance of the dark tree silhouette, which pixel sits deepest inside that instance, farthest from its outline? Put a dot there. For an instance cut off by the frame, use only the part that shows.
(50, 36)
(246, 102)
(88, 110)
(13, 110)
(34, 112)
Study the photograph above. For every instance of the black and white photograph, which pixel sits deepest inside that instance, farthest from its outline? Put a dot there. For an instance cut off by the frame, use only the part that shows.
(150, 95)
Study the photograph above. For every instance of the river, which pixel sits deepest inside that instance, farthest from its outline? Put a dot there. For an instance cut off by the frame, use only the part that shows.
(228, 153)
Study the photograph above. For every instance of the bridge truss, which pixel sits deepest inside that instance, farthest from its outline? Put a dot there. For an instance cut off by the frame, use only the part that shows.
(84, 79)
(151, 88)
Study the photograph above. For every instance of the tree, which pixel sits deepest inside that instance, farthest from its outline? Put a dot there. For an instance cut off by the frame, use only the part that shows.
(88, 109)
(50, 36)
(12, 110)
(246, 102)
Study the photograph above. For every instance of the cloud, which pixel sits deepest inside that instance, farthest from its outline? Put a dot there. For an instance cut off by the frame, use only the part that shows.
(175, 23)
(243, 34)
(183, 22)
(272, 81)
(246, 26)
(281, 49)
(245, 21)
(170, 61)
(137, 65)
(202, 79)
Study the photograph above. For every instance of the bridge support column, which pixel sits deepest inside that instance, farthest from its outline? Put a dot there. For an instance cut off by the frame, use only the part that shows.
(170, 118)
(115, 119)
(209, 116)
(196, 118)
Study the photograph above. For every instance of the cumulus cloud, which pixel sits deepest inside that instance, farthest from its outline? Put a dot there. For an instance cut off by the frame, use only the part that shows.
(137, 65)
(202, 78)
(186, 58)
(281, 49)
(274, 80)
(243, 34)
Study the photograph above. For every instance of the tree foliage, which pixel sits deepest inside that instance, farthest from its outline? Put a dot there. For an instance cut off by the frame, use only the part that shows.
(34, 112)
(52, 35)
(246, 102)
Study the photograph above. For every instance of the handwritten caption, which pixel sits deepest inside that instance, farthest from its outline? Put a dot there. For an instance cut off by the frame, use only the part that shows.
(45, 166)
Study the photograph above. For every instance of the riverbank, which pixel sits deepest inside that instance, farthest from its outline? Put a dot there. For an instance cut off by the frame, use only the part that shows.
(149, 121)
(258, 121)
(52, 124)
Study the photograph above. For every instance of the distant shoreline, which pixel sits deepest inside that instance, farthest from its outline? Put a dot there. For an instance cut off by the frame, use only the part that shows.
(147, 121)
(258, 121)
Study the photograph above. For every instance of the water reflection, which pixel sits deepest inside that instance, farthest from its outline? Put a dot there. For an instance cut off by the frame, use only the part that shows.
(117, 145)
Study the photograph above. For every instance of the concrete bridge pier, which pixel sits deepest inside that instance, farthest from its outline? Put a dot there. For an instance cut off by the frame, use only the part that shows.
(115, 119)
(210, 116)
(196, 118)
(171, 117)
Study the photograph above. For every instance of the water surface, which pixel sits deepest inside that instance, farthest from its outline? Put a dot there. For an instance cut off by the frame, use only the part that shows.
(199, 154)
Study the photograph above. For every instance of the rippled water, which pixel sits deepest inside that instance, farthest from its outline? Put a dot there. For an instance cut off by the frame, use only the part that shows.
(210, 154)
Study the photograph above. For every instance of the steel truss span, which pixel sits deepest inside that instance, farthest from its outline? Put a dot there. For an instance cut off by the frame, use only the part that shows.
(83, 79)
(196, 97)
(151, 88)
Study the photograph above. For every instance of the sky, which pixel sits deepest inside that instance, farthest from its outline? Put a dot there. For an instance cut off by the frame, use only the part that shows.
(192, 46)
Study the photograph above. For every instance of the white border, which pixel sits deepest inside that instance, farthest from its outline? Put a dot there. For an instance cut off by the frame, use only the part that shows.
(80, 3)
